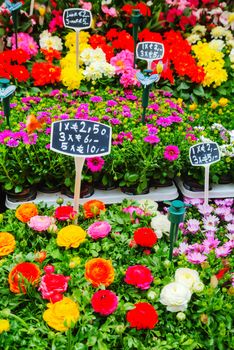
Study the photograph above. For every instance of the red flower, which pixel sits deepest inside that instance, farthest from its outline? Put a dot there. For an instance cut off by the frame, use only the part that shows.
(145, 237)
(147, 35)
(51, 54)
(52, 286)
(108, 50)
(40, 256)
(144, 9)
(21, 272)
(19, 72)
(96, 40)
(139, 276)
(65, 212)
(105, 302)
(143, 316)
(20, 56)
(127, 9)
(222, 272)
(45, 73)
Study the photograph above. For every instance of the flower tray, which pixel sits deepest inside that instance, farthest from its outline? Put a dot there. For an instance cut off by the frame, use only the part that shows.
(108, 197)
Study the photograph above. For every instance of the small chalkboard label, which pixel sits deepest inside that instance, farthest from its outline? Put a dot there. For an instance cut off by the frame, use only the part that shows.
(204, 153)
(80, 138)
(77, 19)
(149, 50)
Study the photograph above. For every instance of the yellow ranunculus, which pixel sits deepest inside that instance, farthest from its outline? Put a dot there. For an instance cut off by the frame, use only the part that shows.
(62, 314)
(7, 243)
(223, 101)
(4, 326)
(71, 236)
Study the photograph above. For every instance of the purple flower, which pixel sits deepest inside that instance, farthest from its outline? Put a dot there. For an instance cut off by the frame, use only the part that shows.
(193, 225)
(230, 228)
(152, 139)
(12, 143)
(64, 116)
(114, 121)
(154, 107)
(193, 201)
(171, 103)
(111, 103)
(196, 258)
(205, 209)
(48, 131)
(47, 146)
(164, 121)
(96, 99)
(210, 222)
(222, 251)
(210, 244)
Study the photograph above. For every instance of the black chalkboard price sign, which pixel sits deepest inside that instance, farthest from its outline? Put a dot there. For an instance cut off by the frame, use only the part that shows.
(149, 50)
(204, 154)
(77, 18)
(80, 138)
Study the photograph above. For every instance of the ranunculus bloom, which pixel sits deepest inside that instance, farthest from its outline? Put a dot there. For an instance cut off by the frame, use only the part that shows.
(39, 223)
(99, 271)
(175, 296)
(26, 211)
(92, 208)
(161, 224)
(65, 212)
(53, 285)
(190, 278)
(105, 302)
(71, 236)
(62, 314)
(4, 326)
(145, 237)
(7, 243)
(99, 229)
(19, 273)
(139, 276)
(143, 316)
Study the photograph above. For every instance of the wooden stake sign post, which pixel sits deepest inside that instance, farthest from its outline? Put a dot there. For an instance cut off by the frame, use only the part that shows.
(149, 51)
(205, 154)
(77, 19)
(80, 139)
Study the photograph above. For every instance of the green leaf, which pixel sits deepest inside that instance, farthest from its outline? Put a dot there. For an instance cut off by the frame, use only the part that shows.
(199, 91)
(183, 86)
(8, 186)
(18, 189)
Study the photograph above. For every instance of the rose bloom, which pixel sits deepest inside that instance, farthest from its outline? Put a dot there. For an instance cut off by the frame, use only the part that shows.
(71, 236)
(190, 278)
(99, 271)
(105, 302)
(62, 314)
(92, 208)
(175, 296)
(26, 211)
(65, 212)
(145, 237)
(139, 276)
(4, 326)
(52, 286)
(25, 270)
(7, 243)
(99, 229)
(143, 316)
(39, 223)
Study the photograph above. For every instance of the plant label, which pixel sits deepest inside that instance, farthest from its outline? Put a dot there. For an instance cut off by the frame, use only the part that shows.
(205, 153)
(77, 18)
(150, 51)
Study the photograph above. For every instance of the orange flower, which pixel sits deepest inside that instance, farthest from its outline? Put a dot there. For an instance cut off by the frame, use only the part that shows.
(26, 211)
(7, 243)
(99, 271)
(92, 208)
(21, 272)
(32, 123)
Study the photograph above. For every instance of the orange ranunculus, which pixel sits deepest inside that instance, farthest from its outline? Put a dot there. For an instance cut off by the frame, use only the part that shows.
(32, 123)
(7, 243)
(21, 272)
(26, 211)
(92, 208)
(99, 271)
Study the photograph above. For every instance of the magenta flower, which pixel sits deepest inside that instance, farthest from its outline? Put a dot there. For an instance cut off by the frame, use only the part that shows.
(133, 209)
(152, 139)
(105, 302)
(196, 258)
(39, 223)
(99, 229)
(171, 153)
(26, 43)
(139, 276)
(95, 164)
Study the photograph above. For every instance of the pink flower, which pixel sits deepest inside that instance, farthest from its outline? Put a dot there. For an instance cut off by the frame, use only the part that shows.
(95, 164)
(222, 251)
(139, 276)
(52, 286)
(152, 139)
(26, 43)
(210, 243)
(105, 302)
(205, 209)
(171, 153)
(39, 223)
(129, 79)
(133, 211)
(210, 222)
(122, 61)
(85, 5)
(109, 11)
(99, 229)
(196, 258)
(193, 225)
(230, 228)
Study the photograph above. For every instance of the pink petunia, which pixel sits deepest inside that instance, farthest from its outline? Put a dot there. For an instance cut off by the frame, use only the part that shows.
(95, 164)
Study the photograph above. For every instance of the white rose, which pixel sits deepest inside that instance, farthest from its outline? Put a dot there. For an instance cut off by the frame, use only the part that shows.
(148, 205)
(160, 224)
(187, 277)
(175, 296)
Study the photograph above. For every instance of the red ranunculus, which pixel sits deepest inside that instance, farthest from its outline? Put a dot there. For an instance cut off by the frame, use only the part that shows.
(65, 212)
(139, 276)
(22, 272)
(145, 237)
(105, 302)
(143, 316)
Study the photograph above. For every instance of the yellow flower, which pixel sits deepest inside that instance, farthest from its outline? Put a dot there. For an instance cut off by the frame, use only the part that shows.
(223, 101)
(74, 262)
(214, 104)
(4, 326)
(192, 107)
(62, 315)
(71, 236)
(71, 77)
(7, 243)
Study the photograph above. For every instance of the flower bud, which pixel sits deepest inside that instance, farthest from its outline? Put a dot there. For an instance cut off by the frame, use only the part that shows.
(151, 295)
(181, 316)
(1, 218)
(49, 269)
(204, 318)
(60, 200)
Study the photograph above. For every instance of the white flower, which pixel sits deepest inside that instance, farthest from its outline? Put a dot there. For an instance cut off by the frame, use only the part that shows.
(193, 38)
(160, 224)
(218, 32)
(106, 2)
(175, 296)
(108, 69)
(86, 56)
(198, 29)
(47, 41)
(188, 277)
(231, 56)
(149, 206)
(216, 44)
(198, 287)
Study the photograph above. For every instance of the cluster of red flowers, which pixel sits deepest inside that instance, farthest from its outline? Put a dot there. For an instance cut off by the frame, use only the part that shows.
(120, 40)
(97, 40)
(11, 65)
(45, 73)
(51, 54)
(144, 9)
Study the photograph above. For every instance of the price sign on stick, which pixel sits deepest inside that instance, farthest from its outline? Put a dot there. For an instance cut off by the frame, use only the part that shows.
(205, 154)
(77, 19)
(150, 51)
(80, 139)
